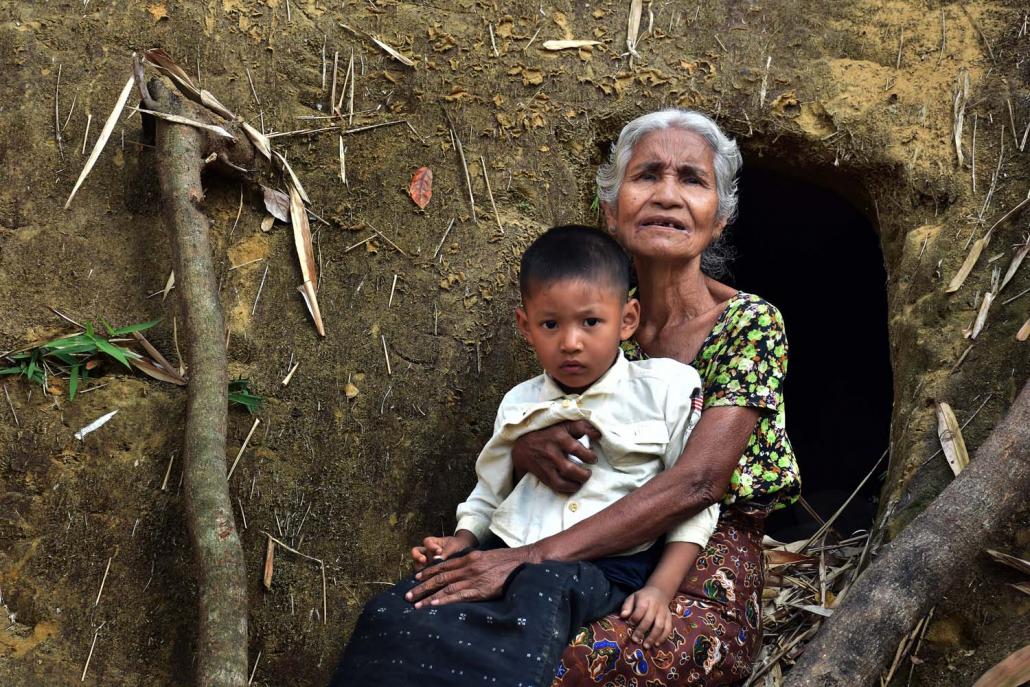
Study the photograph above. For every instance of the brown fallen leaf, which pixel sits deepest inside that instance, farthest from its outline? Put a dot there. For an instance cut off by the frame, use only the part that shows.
(421, 187)
(277, 203)
(267, 223)
(158, 11)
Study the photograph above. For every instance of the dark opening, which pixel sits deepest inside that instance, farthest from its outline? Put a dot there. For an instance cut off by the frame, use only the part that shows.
(812, 254)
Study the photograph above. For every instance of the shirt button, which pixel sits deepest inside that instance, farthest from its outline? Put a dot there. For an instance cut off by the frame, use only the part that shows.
(566, 403)
(573, 506)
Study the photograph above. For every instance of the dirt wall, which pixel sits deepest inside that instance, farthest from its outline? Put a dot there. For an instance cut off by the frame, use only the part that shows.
(859, 95)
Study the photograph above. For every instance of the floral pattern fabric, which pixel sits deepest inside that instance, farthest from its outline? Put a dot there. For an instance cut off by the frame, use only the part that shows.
(716, 623)
(743, 362)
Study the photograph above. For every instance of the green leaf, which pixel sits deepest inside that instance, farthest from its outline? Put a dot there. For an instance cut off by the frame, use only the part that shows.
(116, 352)
(73, 382)
(110, 332)
(240, 394)
(89, 329)
(12, 370)
(134, 328)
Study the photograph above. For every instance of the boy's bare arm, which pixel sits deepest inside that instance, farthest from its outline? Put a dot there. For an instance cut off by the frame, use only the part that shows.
(647, 609)
(676, 560)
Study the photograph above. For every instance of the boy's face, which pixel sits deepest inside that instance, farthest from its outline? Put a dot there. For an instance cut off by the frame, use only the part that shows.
(575, 326)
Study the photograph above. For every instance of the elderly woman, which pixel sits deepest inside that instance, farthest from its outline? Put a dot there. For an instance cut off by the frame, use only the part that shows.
(668, 192)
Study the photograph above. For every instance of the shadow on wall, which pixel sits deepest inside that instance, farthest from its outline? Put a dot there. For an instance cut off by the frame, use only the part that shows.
(815, 256)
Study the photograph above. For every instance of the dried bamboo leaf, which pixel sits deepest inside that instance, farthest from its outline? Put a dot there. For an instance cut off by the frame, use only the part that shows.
(774, 558)
(259, 140)
(950, 434)
(1021, 586)
(393, 53)
(1019, 564)
(981, 316)
(968, 264)
(306, 256)
(307, 290)
(102, 139)
(293, 178)
(152, 370)
(176, 119)
(1024, 332)
(302, 236)
(1014, 265)
(636, 8)
(566, 45)
(1013, 671)
(277, 203)
(95, 425)
(167, 66)
(211, 102)
(168, 285)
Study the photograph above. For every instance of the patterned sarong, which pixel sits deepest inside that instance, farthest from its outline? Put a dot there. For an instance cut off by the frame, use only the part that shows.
(716, 629)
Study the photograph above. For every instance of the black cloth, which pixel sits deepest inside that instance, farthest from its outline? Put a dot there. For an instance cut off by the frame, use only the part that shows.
(514, 641)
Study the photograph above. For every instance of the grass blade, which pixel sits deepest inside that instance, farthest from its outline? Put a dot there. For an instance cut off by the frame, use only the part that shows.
(73, 383)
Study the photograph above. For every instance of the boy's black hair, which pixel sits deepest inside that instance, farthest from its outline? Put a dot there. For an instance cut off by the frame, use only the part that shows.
(574, 251)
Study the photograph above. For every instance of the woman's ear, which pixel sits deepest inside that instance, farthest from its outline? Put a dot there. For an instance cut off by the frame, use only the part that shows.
(609, 216)
(630, 318)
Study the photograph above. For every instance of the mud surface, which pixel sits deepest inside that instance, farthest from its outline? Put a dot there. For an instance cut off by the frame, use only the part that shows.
(858, 95)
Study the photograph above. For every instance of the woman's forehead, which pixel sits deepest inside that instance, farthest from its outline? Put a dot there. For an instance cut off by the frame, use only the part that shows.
(674, 147)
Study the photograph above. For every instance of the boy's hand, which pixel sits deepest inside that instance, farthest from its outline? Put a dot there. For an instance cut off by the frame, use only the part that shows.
(647, 612)
(441, 548)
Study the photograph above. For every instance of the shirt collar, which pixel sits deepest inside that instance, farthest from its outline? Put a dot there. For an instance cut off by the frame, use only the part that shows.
(607, 383)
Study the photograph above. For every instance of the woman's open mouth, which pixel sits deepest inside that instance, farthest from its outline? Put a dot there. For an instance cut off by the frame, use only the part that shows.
(662, 223)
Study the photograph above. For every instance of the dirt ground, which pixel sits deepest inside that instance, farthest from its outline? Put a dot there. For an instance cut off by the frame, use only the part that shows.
(94, 560)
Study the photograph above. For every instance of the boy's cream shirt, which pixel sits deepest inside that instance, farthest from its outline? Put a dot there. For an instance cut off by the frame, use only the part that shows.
(644, 412)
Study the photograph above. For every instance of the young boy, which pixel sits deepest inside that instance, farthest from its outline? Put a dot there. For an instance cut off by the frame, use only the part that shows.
(574, 283)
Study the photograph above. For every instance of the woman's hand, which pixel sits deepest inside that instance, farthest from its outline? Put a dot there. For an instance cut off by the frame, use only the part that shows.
(476, 576)
(544, 453)
(647, 612)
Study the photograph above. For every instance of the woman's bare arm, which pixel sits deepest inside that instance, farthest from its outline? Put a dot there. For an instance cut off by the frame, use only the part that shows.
(698, 479)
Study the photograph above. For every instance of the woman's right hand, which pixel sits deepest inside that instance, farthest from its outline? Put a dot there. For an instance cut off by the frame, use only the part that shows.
(544, 453)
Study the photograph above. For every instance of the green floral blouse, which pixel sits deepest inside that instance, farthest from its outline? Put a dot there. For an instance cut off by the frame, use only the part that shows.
(743, 362)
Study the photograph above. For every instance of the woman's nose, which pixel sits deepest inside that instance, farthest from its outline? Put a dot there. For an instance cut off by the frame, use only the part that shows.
(666, 192)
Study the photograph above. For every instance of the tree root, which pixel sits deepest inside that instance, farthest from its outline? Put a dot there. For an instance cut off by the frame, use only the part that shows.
(182, 153)
(926, 559)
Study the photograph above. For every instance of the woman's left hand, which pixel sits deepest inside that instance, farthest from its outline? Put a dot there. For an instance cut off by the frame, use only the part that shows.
(476, 576)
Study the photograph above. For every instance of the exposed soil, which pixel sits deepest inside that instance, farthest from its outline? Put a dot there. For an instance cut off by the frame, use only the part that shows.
(814, 88)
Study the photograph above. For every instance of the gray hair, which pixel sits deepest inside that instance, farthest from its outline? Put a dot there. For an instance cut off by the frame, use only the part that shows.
(726, 162)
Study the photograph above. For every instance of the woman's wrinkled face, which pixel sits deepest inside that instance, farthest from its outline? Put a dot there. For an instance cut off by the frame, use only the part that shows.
(667, 204)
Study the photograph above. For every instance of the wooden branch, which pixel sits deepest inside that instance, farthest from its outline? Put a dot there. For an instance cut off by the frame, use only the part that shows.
(221, 575)
(925, 560)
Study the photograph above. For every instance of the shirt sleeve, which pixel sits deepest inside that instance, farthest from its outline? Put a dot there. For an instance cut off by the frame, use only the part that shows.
(750, 367)
(698, 529)
(494, 470)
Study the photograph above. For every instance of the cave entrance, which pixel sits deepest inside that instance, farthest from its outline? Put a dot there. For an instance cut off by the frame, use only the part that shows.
(816, 256)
